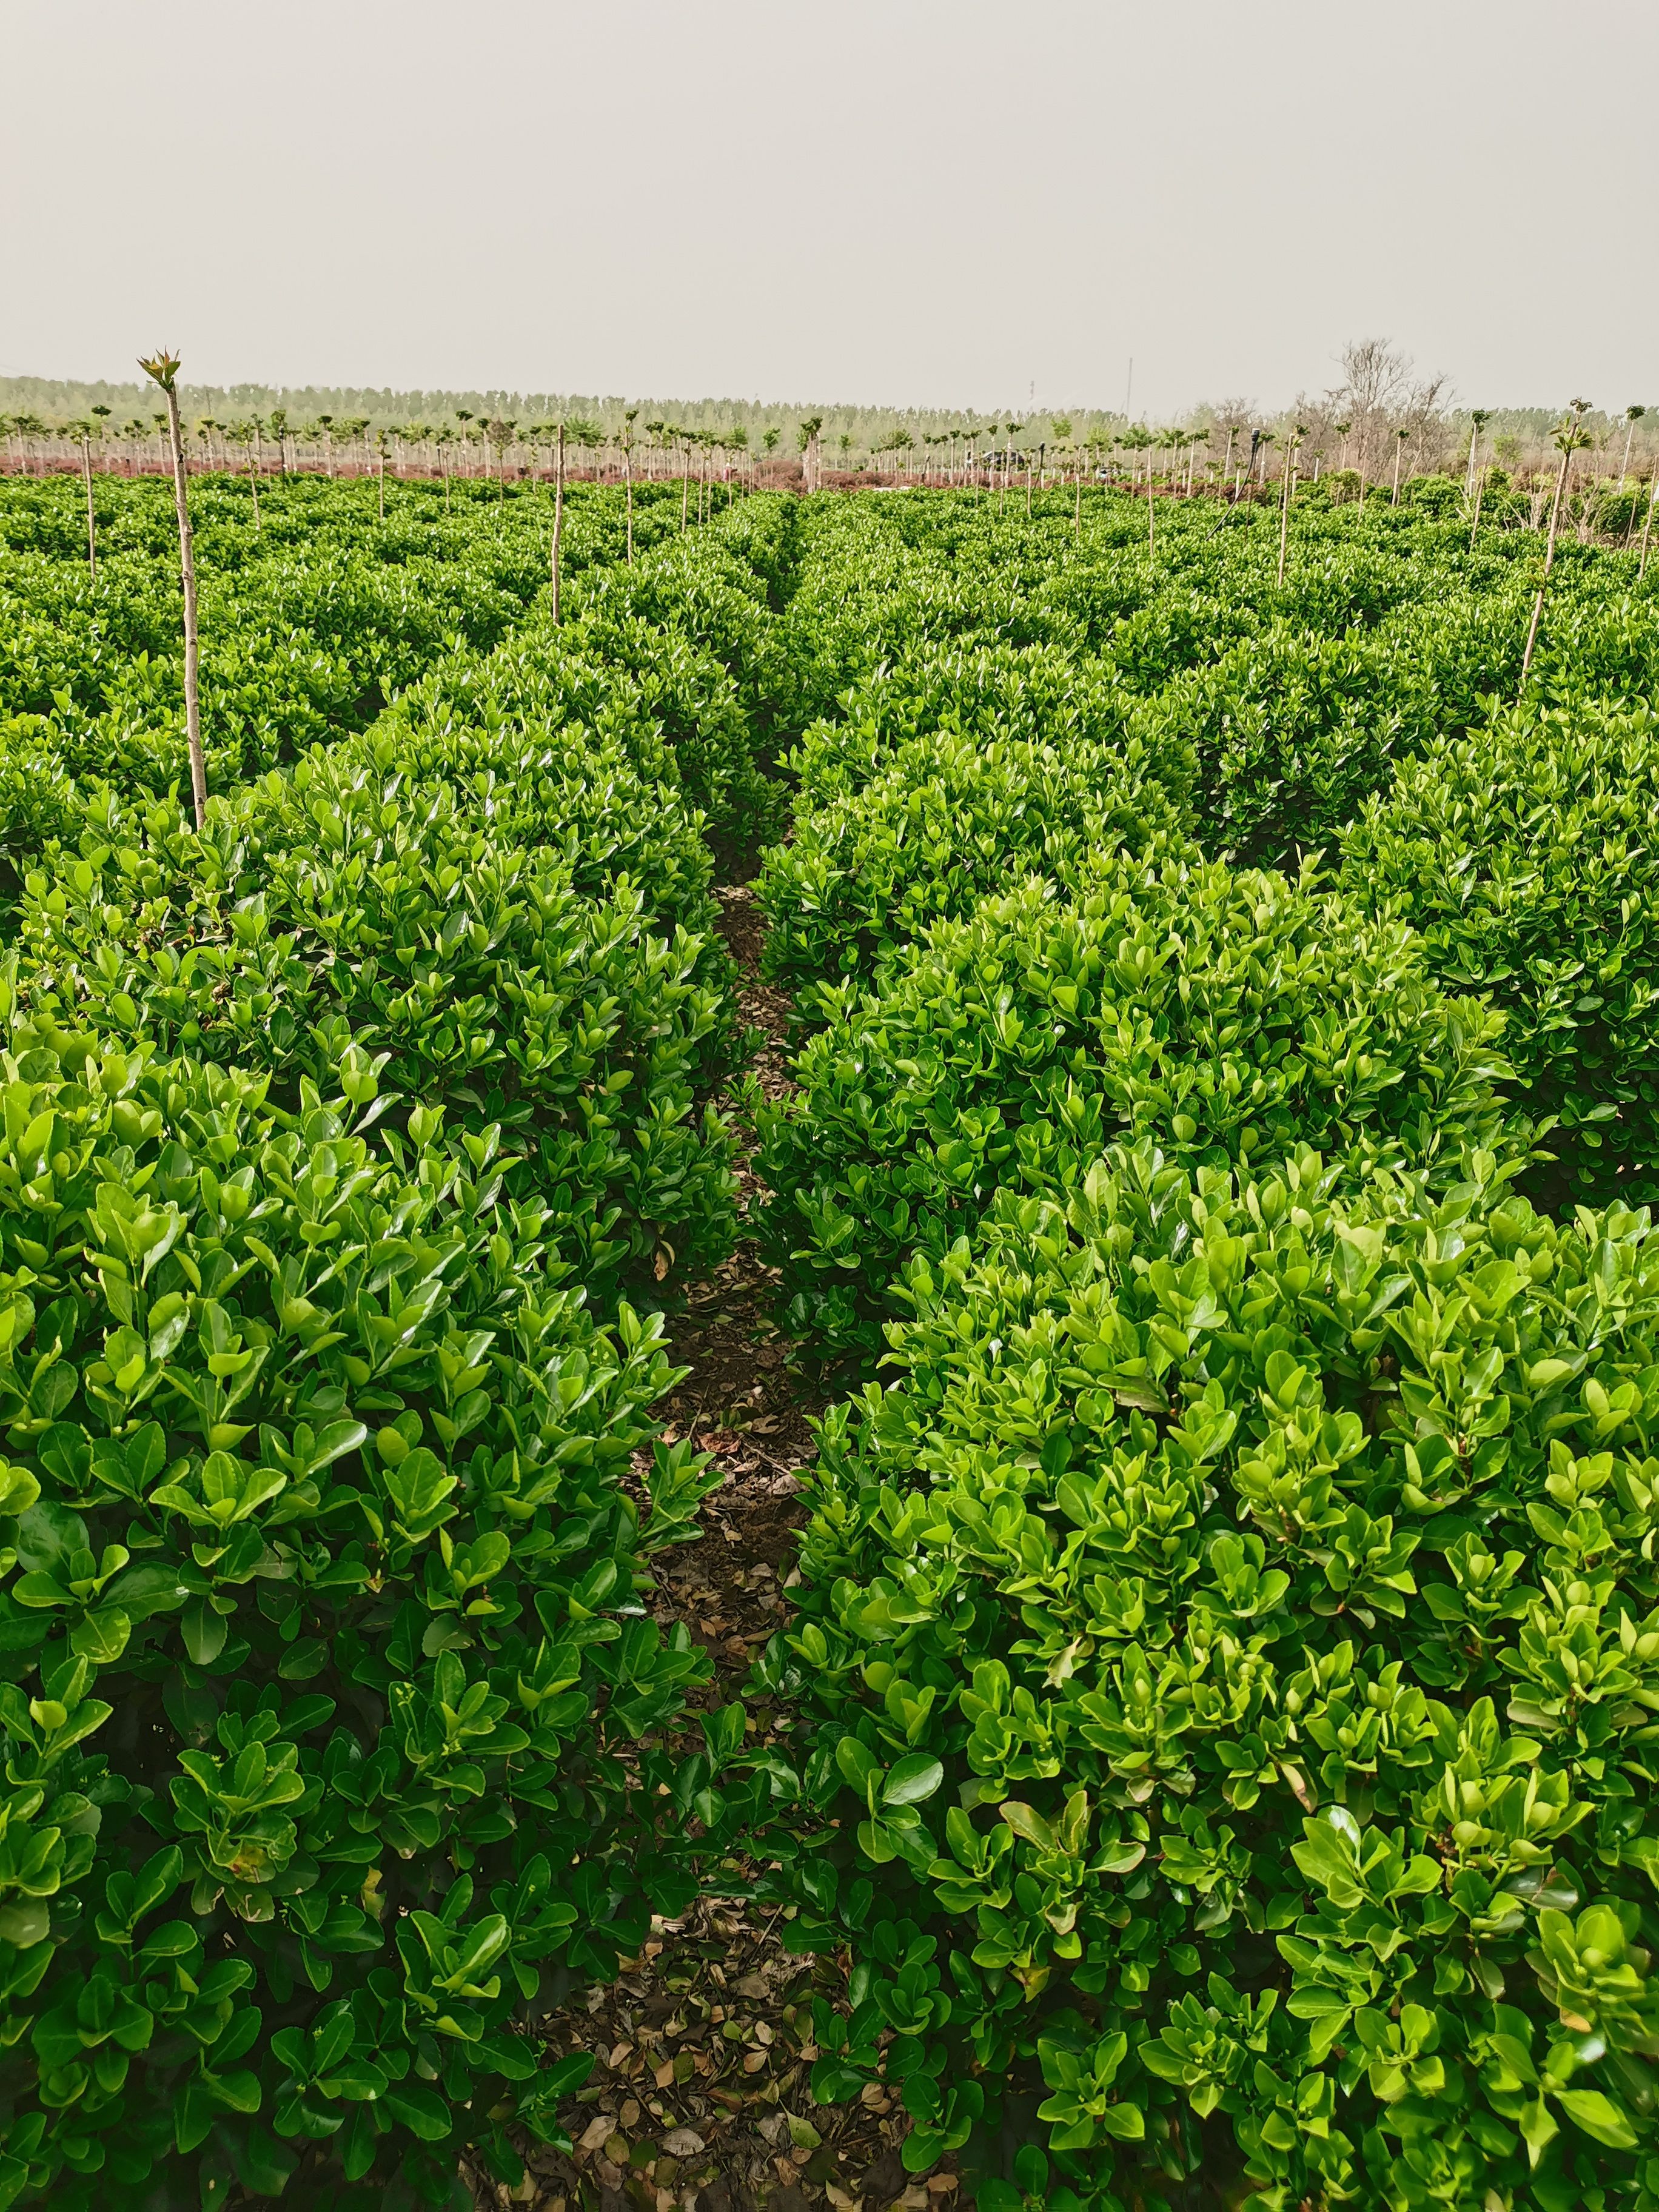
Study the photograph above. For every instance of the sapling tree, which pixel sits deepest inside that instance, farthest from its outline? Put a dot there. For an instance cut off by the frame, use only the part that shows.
(500, 434)
(1633, 417)
(249, 436)
(84, 430)
(1477, 477)
(628, 415)
(558, 511)
(1570, 434)
(1144, 443)
(1478, 418)
(1299, 432)
(1400, 438)
(257, 428)
(1647, 522)
(809, 449)
(162, 369)
(1011, 432)
(736, 449)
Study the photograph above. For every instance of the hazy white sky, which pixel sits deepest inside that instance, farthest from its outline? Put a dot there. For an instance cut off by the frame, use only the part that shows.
(907, 200)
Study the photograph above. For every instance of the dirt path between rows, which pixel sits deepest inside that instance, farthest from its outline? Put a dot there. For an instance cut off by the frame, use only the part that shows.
(700, 2100)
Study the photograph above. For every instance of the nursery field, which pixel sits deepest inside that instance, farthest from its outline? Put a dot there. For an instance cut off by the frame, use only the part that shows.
(839, 1386)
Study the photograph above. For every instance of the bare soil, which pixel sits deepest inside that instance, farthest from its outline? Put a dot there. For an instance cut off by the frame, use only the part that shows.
(700, 2100)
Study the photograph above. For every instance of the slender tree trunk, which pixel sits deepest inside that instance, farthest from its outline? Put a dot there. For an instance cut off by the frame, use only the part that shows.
(192, 649)
(1480, 496)
(1647, 523)
(559, 517)
(628, 475)
(92, 524)
(382, 473)
(1151, 544)
(1076, 513)
(1284, 510)
(255, 459)
(685, 490)
(1549, 563)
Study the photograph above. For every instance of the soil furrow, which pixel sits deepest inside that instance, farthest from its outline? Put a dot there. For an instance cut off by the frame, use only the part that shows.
(699, 2098)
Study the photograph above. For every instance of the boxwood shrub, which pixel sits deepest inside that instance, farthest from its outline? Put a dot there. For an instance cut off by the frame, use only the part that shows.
(939, 821)
(344, 901)
(1233, 1646)
(1231, 1013)
(1294, 730)
(330, 1706)
(1525, 854)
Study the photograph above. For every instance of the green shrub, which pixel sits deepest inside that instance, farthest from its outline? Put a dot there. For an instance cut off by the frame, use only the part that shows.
(1293, 730)
(678, 695)
(294, 649)
(1231, 1014)
(602, 795)
(720, 587)
(933, 823)
(310, 628)
(1234, 1652)
(330, 1704)
(495, 986)
(40, 802)
(1441, 497)
(1527, 856)
(1592, 641)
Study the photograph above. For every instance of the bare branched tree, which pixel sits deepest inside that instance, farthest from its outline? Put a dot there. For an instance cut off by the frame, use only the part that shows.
(1378, 398)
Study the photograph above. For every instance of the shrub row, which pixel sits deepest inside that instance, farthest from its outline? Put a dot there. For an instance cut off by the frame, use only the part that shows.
(1228, 1014)
(1525, 857)
(1234, 1647)
(1226, 1647)
(340, 1739)
(321, 1638)
(308, 630)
